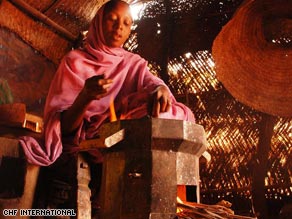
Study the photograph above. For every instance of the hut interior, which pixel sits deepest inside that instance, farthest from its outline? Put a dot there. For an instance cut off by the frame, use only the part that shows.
(176, 37)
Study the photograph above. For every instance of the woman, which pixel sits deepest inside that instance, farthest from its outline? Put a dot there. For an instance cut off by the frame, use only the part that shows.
(88, 80)
(86, 83)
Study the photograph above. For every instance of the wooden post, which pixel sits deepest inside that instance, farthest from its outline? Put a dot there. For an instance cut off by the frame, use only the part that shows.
(261, 166)
(166, 42)
(83, 191)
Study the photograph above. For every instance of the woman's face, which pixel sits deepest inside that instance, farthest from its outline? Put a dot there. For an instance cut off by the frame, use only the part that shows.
(117, 25)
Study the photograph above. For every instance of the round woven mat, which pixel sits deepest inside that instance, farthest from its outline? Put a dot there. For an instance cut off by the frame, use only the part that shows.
(251, 63)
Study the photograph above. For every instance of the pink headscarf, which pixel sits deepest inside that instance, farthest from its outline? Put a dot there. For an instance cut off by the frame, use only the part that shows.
(131, 87)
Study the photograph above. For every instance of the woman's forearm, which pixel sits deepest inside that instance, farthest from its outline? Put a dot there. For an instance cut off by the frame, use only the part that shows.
(72, 118)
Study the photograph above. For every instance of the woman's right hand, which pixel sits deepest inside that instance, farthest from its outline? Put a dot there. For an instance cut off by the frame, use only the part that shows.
(96, 87)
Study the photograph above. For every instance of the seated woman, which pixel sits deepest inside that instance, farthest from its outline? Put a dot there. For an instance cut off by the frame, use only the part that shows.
(89, 78)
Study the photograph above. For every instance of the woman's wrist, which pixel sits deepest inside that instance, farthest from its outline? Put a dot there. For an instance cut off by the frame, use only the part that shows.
(158, 88)
(83, 99)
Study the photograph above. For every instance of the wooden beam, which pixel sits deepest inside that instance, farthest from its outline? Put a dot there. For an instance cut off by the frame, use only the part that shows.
(43, 18)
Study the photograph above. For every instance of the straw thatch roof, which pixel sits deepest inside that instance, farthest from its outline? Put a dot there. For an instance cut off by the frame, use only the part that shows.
(176, 37)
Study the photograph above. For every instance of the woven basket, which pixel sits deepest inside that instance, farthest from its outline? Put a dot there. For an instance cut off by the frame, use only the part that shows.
(250, 63)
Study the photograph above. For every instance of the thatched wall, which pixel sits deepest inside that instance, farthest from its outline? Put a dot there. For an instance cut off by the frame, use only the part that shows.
(34, 36)
(27, 72)
(33, 32)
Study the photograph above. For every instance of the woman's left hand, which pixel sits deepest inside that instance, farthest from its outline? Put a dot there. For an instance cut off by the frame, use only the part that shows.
(161, 101)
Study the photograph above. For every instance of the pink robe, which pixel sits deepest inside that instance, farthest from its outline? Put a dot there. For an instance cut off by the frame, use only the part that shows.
(132, 85)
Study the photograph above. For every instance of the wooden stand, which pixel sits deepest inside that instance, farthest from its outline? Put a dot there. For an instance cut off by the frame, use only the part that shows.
(141, 172)
(16, 175)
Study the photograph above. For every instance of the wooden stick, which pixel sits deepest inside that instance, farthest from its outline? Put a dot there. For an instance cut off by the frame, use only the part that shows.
(103, 142)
